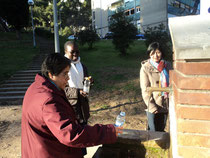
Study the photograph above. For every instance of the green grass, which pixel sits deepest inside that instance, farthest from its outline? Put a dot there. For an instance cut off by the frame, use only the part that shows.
(15, 54)
(157, 152)
(104, 63)
(104, 55)
(109, 68)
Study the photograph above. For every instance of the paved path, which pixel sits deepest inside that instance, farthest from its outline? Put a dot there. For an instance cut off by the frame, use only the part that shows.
(13, 90)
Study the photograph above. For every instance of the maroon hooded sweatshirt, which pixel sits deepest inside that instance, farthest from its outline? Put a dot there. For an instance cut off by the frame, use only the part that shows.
(49, 126)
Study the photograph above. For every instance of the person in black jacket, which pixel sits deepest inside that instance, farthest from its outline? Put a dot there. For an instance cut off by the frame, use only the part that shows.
(74, 91)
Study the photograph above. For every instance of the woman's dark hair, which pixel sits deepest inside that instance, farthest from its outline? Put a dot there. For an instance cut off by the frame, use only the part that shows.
(153, 46)
(54, 63)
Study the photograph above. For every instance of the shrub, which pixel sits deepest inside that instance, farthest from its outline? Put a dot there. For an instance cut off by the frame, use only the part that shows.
(124, 32)
(161, 35)
(66, 31)
(44, 32)
(88, 36)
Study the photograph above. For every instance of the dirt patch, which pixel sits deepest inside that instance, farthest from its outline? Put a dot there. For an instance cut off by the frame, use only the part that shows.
(117, 90)
(3, 127)
(104, 109)
(106, 106)
(10, 131)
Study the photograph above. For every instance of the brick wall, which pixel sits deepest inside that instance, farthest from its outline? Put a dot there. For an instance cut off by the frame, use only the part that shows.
(190, 81)
(191, 88)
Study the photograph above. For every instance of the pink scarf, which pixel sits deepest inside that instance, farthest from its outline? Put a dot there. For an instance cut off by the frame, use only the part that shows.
(164, 77)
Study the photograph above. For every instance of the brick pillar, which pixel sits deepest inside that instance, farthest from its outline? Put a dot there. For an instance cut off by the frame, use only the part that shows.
(191, 88)
(190, 82)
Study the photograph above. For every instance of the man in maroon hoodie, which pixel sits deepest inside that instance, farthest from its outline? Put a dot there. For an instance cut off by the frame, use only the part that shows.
(49, 125)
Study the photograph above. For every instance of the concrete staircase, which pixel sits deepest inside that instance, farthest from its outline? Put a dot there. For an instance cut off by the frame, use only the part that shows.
(13, 90)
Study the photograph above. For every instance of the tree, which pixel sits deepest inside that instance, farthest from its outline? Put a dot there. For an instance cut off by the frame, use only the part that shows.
(43, 13)
(76, 15)
(72, 14)
(161, 35)
(88, 36)
(124, 32)
(15, 13)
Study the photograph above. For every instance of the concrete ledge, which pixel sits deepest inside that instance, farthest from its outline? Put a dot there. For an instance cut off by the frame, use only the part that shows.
(135, 143)
(140, 136)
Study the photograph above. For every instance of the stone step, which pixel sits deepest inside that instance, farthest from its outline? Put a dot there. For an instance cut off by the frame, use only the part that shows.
(22, 78)
(38, 67)
(6, 89)
(13, 90)
(28, 71)
(12, 93)
(22, 75)
(10, 98)
(19, 81)
(15, 85)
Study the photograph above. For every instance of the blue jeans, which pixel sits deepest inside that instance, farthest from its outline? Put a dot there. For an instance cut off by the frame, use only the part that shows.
(157, 122)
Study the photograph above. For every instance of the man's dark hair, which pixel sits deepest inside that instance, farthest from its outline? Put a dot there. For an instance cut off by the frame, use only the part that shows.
(71, 44)
(153, 46)
(54, 63)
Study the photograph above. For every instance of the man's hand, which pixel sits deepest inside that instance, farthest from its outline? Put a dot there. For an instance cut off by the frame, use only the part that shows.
(84, 94)
(119, 130)
(155, 112)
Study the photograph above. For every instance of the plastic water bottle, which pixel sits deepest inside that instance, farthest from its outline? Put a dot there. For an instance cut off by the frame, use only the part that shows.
(120, 120)
(86, 87)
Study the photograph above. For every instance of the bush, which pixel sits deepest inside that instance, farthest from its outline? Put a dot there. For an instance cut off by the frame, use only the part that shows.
(124, 32)
(88, 36)
(66, 31)
(44, 32)
(161, 35)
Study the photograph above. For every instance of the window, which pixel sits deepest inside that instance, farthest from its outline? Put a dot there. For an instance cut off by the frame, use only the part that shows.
(182, 5)
(137, 9)
(176, 4)
(187, 7)
(94, 17)
(132, 11)
(127, 12)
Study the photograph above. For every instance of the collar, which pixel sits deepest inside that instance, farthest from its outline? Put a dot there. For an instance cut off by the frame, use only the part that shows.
(54, 84)
(75, 62)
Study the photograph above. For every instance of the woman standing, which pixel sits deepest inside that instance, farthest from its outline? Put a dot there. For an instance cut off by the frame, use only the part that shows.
(154, 72)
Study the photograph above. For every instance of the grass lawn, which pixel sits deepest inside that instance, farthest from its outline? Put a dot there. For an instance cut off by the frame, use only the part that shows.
(109, 68)
(103, 61)
(104, 55)
(14, 54)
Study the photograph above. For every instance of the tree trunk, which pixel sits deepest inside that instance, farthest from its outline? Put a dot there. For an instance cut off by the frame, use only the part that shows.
(123, 52)
(18, 34)
(90, 44)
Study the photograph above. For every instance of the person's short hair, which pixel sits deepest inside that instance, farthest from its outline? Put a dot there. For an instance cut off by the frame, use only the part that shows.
(71, 44)
(153, 46)
(54, 63)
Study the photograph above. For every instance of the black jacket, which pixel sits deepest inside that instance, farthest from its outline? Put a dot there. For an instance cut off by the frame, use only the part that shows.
(79, 103)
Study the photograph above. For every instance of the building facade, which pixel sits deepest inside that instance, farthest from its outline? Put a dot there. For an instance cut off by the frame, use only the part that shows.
(144, 13)
(156, 12)
(100, 9)
(103, 10)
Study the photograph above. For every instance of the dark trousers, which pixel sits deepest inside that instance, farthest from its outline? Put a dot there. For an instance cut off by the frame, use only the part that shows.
(156, 122)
